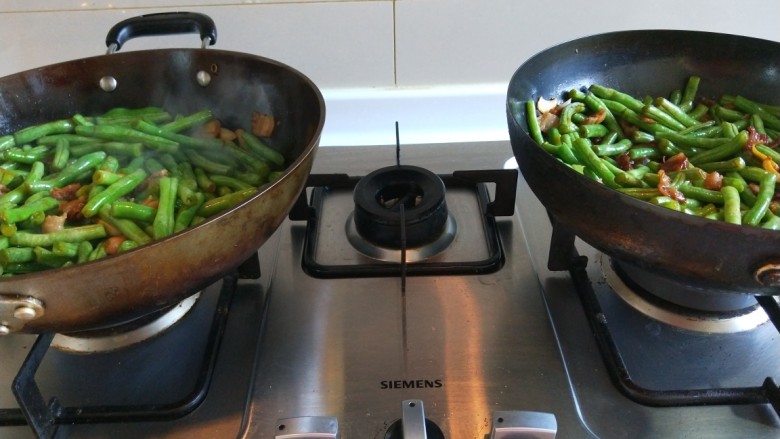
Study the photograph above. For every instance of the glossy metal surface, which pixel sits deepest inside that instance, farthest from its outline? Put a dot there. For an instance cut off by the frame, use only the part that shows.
(356, 348)
(472, 348)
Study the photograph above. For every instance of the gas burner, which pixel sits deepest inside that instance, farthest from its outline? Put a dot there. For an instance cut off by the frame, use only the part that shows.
(127, 334)
(391, 254)
(681, 305)
(449, 222)
(399, 208)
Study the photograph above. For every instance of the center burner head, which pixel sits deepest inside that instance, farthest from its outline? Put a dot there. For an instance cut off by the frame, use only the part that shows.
(375, 228)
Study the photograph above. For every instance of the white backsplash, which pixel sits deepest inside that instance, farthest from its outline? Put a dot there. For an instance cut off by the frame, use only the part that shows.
(438, 67)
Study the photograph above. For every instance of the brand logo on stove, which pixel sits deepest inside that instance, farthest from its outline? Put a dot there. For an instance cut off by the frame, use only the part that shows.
(410, 384)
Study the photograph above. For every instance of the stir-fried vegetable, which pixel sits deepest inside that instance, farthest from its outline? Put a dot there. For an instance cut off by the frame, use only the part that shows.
(713, 158)
(79, 189)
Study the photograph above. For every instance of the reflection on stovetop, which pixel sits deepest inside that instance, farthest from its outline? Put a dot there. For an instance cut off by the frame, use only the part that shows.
(194, 374)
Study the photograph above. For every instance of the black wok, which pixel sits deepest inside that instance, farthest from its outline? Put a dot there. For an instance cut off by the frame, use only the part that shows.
(696, 251)
(232, 85)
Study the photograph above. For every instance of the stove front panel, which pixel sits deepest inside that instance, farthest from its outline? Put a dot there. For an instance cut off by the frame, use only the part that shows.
(354, 349)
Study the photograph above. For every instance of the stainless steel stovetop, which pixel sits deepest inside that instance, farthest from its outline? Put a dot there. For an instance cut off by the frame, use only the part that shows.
(355, 355)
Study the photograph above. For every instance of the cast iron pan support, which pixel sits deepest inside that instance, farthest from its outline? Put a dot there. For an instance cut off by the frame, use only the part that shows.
(44, 418)
(39, 415)
(564, 257)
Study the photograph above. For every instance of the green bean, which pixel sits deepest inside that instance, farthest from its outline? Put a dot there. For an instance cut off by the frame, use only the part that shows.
(593, 130)
(164, 219)
(62, 248)
(132, 112)
(27, 156)
(731, 205)
(255, 179)
(61, 155)
(694, 141)
(643, 152)
(98, 252)
(193, 142)
(84, 250)
(120, 188)
(106, 160)
(721, 152)
(17, 194)
(232, 183)
(125, 134)
(48, 258)
(265, 152)
(566, 125)
(752, 173)
(12, 255)
(133, 211)
(624, 179)
(769, 152)
(637, 106)
(127, 227)
(127, 245)
(209, 166)
(751, 107)
(72, 234)
(765, 193)
(701, 194)
(596, 105)
(689, 93)
(188, 122)
(666, 202)
(773, 223)
(225, 202)
(583, 148)
(76, 169)
(204, 181)
(27, 135)
(259, 163)
(734, 164)
(641, 193)
(726, 114)
(7, 142)
(533, 125)
(186, 215)
(25, 211)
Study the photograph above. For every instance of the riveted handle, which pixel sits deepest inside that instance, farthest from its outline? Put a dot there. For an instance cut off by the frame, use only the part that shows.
(164, 23)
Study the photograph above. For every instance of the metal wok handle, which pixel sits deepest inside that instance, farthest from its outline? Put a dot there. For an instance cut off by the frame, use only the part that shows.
(164, 23)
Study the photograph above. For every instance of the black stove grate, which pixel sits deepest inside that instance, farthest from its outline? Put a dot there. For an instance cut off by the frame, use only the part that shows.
(563, 257)
(503, 204)
(44, 418)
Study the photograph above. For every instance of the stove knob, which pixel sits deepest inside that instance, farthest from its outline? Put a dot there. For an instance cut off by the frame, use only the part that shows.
(413, 424)
(307, 427)
(523, 425)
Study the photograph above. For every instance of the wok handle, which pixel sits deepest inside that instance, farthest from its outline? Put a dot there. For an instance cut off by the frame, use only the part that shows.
(164, 23)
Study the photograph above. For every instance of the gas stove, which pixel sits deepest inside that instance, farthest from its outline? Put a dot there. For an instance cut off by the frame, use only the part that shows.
(461, 330)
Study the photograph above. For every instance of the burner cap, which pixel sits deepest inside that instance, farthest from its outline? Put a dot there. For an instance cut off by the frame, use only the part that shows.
(378, 199)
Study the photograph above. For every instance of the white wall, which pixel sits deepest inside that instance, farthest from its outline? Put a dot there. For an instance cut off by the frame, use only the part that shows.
(439, 67)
